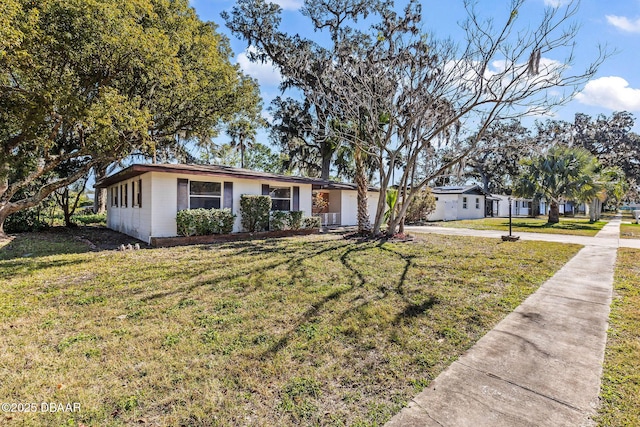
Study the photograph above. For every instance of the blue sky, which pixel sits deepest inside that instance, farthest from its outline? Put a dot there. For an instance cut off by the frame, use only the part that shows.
(615, 23)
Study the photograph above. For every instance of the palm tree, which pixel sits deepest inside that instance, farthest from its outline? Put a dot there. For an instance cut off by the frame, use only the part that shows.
(608, 183)
(242, 132)
(561, 173)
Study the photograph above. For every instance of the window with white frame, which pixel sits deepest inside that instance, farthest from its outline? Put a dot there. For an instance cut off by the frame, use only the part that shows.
(280, 198)
(464, 203)
(477, 202)
(205, 195)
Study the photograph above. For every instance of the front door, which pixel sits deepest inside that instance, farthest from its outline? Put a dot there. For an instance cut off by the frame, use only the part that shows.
(450, 210)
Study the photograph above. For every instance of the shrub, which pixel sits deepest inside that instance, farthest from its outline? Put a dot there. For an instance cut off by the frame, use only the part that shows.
(295, 220)
(278, 220)
(90, 218)
(312, 222)
(254, 212)
(25, 220)
(421, 206)
(201, 222)
(285, 220)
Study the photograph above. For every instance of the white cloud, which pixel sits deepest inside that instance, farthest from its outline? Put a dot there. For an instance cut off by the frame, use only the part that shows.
(555, 3)
(265, 73)
(623, 23)
(288, 4)
(610, 92)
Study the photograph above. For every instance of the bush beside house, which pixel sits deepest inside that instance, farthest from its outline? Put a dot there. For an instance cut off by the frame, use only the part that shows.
(254, 212)
(285, 220)
(255, 216)
(202, 222)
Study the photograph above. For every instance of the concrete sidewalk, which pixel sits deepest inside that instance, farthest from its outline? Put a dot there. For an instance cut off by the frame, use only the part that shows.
(541, 365)
(609, 238)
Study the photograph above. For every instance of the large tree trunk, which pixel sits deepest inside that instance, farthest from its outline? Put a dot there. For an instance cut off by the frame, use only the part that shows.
(7, 209)
(364, 224)
(595, 209)
(554, 213)
(100, 196)
(326, 164)
(592, 210)
(3, 216)
(535, 208)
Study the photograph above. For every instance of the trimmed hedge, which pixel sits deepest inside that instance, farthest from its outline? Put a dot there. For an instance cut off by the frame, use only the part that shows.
(285, 220)
(254, 212)
(312, 222)
(202, 222)
(295, 220)
(278, 220)
(292, 220)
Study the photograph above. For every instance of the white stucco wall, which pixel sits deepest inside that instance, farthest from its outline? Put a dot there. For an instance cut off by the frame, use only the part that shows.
(450, 207)
(157, 216)
(349, 206)
(446, 208)
(471, 212)
(132, 220)
(166, 196)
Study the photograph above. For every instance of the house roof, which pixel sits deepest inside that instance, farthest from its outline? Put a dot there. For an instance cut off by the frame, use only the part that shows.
(460, 189)
(218, 170)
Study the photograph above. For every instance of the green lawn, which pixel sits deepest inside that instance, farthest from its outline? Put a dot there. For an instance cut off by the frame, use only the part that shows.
(580, 226)
(630, 231)
(620, 392)
(302, 331)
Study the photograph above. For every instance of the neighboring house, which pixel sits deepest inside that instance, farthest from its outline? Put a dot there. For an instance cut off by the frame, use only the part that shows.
(500, 206)
(570, 208)
(458, 202)
(631, 206)
(142, 200)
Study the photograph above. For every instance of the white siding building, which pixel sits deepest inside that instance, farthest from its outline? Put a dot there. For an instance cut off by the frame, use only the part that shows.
(519, 206)
(462, 202)
(142, 200)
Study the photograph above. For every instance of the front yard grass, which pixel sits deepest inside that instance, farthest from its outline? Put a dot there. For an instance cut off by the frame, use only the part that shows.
(302, 331)
(579, 226)
(630, 231)
(620, 391)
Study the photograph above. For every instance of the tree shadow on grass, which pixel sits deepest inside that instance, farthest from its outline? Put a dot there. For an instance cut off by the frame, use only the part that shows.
(557, 226)
(312, 313)
(412, 309)
(19, 267)
(261, 265)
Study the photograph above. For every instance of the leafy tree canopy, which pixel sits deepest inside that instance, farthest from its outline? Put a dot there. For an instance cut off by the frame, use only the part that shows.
(563, 173)
(86, 82)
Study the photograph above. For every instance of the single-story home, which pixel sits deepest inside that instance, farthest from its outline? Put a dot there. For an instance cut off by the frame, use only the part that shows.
(565, 207)
(143, 199)
(500, 206)
(458, 202)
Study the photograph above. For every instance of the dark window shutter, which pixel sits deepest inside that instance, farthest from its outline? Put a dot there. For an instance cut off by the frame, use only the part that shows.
(228, 195)
(265, 189)
(140, 192)
(296, 199)
(183, 194)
